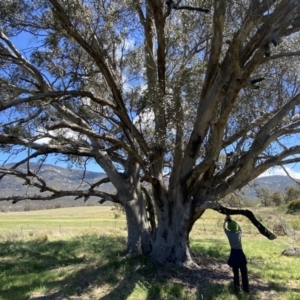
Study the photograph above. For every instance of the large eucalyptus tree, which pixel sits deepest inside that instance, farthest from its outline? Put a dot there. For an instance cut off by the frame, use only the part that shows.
(157, 94)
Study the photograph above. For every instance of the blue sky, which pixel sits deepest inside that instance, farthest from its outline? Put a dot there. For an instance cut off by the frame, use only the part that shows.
(52, 159)
(26, 41)
(293, 170)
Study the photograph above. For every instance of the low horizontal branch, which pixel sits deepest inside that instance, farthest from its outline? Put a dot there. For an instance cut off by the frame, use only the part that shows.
(244, 212)
(78, 194)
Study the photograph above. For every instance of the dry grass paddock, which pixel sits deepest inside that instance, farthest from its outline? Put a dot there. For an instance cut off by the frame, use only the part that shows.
(77, 253)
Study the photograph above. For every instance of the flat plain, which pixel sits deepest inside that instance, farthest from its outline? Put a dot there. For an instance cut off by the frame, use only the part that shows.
(78, 253)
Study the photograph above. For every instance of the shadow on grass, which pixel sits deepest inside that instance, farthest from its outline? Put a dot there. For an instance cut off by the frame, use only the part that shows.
(57, 268)
(211, 247)
(79, 267)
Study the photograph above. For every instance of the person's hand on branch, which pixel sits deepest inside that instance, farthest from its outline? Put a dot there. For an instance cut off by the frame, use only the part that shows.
(227, 218)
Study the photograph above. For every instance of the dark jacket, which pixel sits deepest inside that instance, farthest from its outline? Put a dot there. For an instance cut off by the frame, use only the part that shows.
(237, 257)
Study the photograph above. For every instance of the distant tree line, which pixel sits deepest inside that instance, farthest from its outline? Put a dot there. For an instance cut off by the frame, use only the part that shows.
(275, 198)
(267, 197)
(29, 205)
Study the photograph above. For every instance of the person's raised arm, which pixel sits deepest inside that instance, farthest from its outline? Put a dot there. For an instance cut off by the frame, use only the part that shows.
(227, 219)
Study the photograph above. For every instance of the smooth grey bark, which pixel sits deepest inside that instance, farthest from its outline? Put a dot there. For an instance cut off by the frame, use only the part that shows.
(170, 242)
(138, 239)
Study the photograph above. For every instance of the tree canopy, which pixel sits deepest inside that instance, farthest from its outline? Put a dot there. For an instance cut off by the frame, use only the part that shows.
(180, 103)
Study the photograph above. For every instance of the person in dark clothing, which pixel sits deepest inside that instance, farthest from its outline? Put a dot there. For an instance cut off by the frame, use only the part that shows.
(237, 259)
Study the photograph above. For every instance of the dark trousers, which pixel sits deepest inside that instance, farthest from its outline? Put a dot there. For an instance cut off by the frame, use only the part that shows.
(236, 278)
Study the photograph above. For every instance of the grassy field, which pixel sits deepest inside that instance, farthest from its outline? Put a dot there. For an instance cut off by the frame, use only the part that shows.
(77, 253)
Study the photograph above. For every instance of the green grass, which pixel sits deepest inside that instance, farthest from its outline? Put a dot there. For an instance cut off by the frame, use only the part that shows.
(268, 269)
(77, 253)
(30, 267)
(74, 217)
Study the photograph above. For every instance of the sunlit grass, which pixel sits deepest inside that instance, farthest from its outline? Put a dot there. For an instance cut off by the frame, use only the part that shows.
(74, 253)
(49, 266)
(64, 218)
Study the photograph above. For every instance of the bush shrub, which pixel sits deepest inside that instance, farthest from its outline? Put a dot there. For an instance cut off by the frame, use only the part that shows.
(232, 200)
(58, 205)
(294, 205)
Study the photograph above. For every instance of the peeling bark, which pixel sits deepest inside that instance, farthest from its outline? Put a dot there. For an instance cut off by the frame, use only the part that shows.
(170, 243)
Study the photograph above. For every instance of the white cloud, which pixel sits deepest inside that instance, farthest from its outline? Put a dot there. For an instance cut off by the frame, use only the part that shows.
(66, 132)
(279, 171)
(86, 100)
(43, 141)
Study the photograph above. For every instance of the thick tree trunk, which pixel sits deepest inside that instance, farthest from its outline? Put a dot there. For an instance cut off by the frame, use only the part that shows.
(138, 240)
(171, 242)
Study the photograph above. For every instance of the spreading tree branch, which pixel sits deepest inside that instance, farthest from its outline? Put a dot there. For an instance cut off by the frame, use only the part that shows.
(244, 212)
(176, 6)
(288, 175)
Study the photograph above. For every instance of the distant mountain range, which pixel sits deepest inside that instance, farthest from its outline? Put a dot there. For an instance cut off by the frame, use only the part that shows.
(273, 183)
(57, 178)
(68, 179)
